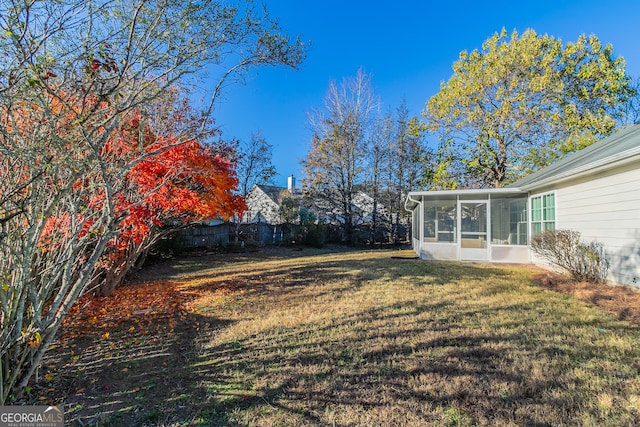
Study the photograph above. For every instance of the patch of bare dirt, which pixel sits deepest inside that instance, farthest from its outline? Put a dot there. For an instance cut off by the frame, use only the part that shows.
(622, 301)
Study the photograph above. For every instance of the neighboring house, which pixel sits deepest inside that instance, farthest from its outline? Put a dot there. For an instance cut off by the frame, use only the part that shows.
(264, 204)
(264, 201)
(329, 209)
(595, 191)
(365, 207)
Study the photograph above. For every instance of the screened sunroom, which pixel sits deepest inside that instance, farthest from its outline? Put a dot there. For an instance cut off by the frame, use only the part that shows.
(474, 225)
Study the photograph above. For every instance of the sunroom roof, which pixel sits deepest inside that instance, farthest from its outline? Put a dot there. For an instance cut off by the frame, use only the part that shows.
(480, 193)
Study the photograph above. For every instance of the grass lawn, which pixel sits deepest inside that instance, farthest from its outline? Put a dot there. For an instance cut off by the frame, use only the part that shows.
(294, 338)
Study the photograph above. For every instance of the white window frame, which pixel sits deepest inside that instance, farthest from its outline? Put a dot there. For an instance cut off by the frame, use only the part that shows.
(543, 222)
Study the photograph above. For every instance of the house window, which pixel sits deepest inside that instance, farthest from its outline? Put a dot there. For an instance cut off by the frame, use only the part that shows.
(429, 223)
(543, 213)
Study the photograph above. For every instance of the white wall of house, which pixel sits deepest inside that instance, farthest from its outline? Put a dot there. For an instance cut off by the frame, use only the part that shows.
(605, 207)
(439, 251)
(515, 254)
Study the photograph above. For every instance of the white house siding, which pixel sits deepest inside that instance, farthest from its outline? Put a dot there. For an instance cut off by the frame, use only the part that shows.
(606, 208)
(416, 230)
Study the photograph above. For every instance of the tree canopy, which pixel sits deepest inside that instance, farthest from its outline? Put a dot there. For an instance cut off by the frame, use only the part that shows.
(362, 163)
(521, 102)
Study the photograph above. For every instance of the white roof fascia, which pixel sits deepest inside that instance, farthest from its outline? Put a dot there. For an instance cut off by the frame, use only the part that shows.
(409, 199)
(619, 159)
(414, 202)
(466, 192)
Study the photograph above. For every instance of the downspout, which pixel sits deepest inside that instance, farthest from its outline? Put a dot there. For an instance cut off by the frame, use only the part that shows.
(419, 202)
(420, 225)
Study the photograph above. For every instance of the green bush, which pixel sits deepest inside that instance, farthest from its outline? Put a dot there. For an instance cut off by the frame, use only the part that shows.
(584, 261)
(315, 235)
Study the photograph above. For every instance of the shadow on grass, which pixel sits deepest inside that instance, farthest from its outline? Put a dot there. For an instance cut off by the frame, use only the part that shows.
(256, 273)
(129, 378)
(435, 359)
(492, 379)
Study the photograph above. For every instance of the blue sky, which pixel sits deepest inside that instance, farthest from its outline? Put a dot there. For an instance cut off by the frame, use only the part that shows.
(408, 48)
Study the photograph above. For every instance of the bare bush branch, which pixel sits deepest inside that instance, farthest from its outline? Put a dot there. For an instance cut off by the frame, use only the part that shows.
(563, 248)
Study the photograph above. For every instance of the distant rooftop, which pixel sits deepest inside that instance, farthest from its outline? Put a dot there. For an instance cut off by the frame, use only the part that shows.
(274, 192)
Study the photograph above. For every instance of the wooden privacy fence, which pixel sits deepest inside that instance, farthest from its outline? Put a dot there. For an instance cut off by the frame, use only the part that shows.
(210, 236)
(203, 236)
(264, 234)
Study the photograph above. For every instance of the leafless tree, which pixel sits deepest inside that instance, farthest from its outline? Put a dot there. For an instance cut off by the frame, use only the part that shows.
(254, 162)
(335, 165)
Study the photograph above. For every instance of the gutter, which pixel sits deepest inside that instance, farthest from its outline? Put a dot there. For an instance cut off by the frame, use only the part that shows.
(417, 202)
(622, 159)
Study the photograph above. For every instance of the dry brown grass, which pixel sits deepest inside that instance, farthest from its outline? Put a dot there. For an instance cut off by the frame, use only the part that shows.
(358, 339)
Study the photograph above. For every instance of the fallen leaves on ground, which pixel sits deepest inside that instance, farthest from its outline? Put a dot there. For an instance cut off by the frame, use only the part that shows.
(135, 309)
(144, 316)
(622, 301)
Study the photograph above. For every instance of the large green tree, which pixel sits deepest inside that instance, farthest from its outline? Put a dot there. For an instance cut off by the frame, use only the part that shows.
(520, 103)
